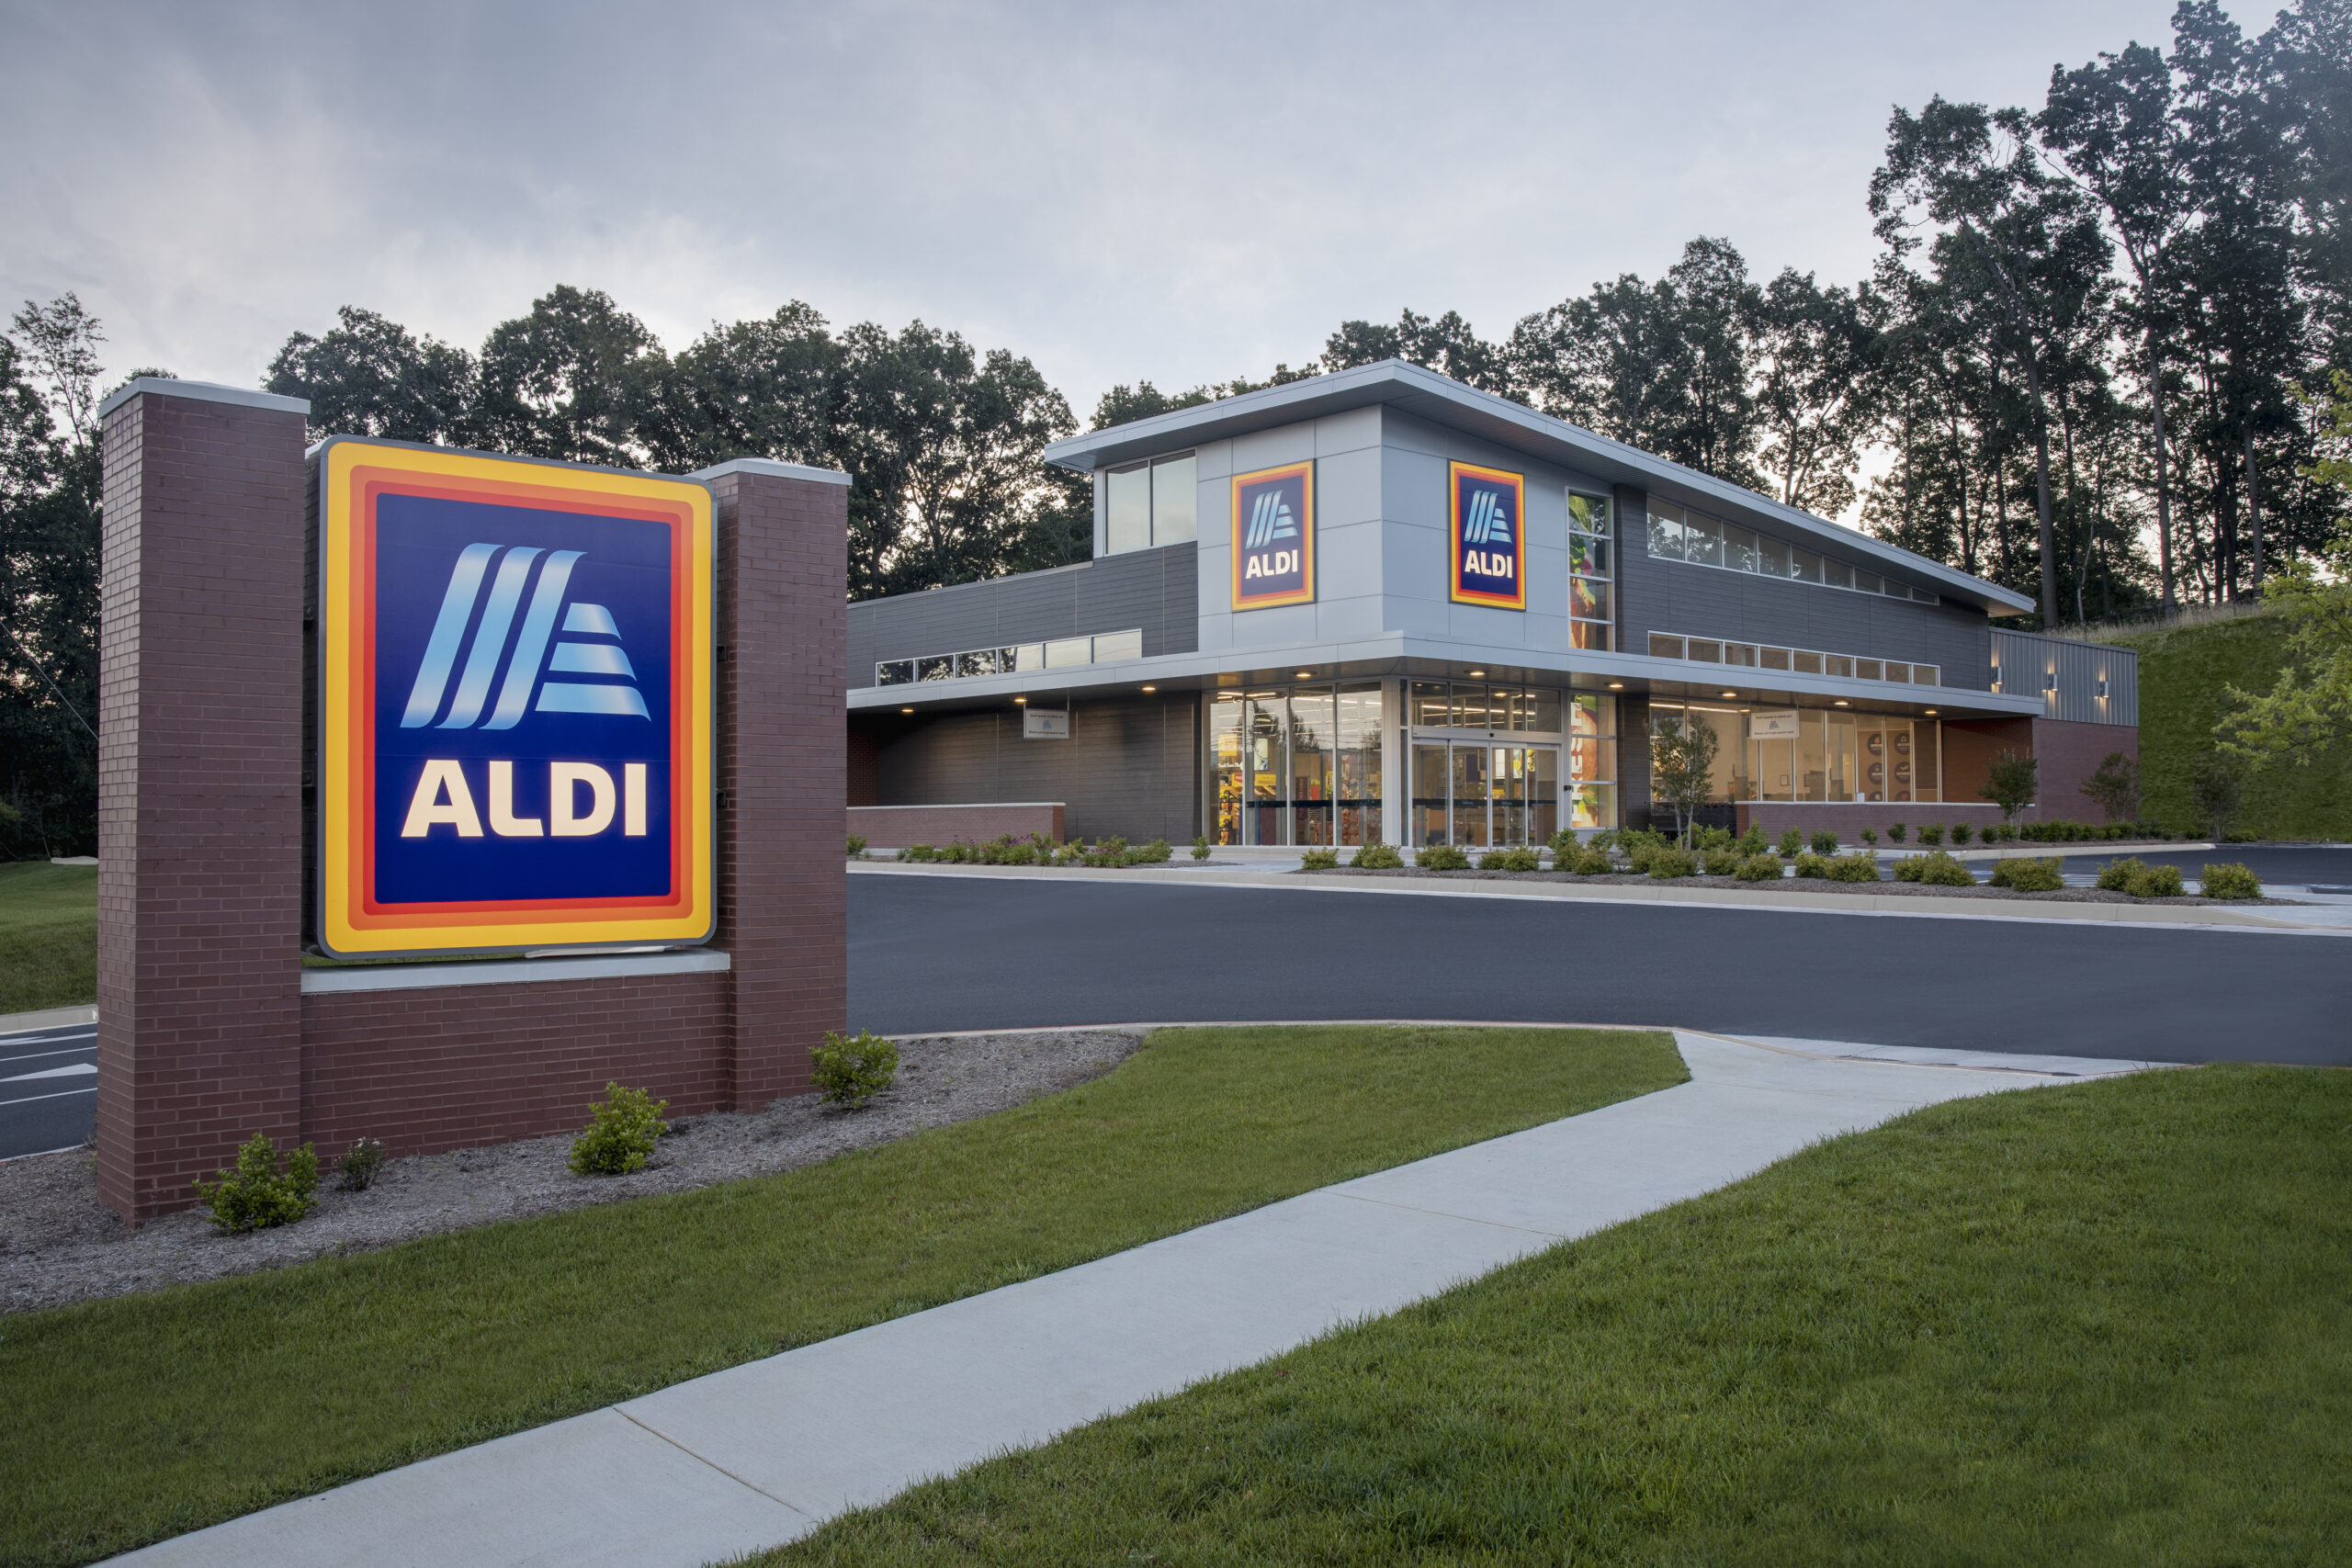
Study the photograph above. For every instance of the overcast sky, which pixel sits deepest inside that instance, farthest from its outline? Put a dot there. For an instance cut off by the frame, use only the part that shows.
(1173, 193)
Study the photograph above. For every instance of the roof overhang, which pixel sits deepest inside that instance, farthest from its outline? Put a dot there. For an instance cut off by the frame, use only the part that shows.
(1426, 395)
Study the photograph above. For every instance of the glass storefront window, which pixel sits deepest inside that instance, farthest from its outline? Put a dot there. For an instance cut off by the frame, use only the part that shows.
(893, 672)
(1426, 707)
(1069, 651)
(1112, 646)
(1470, 796)
(1263, 758)
(1430, 794)
(1311, 732)
(1359, 735)
(1225, 789)
(1543, 794)
(1470, 708)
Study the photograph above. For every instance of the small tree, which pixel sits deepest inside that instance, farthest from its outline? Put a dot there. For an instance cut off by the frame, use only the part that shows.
(2116, 787)
(2214, 792)
(2012, 782)
(1682, 767)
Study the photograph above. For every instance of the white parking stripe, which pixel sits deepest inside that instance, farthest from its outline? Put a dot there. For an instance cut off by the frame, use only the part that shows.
(77, 1070)
(61, 1094)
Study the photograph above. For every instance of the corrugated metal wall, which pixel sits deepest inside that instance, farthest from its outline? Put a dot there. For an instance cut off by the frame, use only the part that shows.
(1158, 591)
(2028, 664)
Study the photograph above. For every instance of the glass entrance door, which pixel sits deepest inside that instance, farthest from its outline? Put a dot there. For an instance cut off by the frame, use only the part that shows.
(1475, 795)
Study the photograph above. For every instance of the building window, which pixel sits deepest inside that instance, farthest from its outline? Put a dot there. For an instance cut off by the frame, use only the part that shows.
(1021, 659)
(1593, 761)
(1677, 533)
(1150, 504)
(1300, 765)
(1817, 754)
(1800, 661)
(1591, 571)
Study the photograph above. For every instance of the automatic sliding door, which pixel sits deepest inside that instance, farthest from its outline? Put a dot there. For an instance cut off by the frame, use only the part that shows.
(1428, 824)
(1543, 794)
(1470, 787)
(1510, 792)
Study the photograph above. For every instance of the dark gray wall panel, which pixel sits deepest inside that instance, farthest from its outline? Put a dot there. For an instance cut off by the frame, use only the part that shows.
(1129, 769)
(1156, 590)
(1705, 601)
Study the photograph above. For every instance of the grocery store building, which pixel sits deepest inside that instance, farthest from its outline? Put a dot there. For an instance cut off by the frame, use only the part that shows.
(1383, 605)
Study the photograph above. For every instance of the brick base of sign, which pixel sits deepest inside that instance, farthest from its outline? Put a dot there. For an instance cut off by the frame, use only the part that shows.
(427, 1071)
(895, 826)
(205, 1034)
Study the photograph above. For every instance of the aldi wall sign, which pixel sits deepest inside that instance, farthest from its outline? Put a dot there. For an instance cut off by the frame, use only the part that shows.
(514, 704)
(1273, 537)
(1489, 537)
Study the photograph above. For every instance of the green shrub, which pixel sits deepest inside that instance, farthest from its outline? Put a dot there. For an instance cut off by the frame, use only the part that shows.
(2027, 875)
(1200, 847)
(1859, 866)
(1519, 859)
(2240, 836)
(1319, 859)
(1931, 834)
(1378, 857)
(1707, 839)
(1753, 843)
(1813, 865)
(1869, 837)
(359, 1164)
(1959, 831)
(1156, 852)
(1936, 869)
(853, 1069)
(1565, 845)
(1665, 865)
(1895, 832)
(1758, 868)
(1441, 857)
(918, 852)
(2231, 881)
(2156, 881)
(857, 846)
(1792, 843)
(1722, 862)
(2116, 876)
(620, 1132)
(1825, 842)
(1589, 862)
(261, 1191)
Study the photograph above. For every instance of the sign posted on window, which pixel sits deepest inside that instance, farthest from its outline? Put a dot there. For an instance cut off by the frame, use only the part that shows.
(514, 704)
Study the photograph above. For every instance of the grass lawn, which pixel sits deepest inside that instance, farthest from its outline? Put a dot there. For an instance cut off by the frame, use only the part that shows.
(48, 936)
(2105, 1324)
(145, 1416)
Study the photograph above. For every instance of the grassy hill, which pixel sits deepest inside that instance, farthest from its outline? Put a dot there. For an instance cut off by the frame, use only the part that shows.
(2184, 676)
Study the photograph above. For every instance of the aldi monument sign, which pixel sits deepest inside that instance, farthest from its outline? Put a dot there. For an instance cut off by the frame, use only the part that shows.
(514, 704)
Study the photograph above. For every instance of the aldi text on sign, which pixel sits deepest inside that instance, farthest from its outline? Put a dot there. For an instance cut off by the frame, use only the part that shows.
(516, 709)
(1273, 537)
(1489, 537)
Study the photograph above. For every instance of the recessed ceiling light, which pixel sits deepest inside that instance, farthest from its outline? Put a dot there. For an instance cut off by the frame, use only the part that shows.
(1839, 702)
(1731, 693)
(1932, 713)
(1477, 671)
(1616, 685)
(906, 710)
(1019, 700)
(1151, 688)
(1307, 674)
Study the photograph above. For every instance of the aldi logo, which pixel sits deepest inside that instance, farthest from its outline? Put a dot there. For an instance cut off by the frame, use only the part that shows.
(1273, 537)
(514, 704)
(1489, 537)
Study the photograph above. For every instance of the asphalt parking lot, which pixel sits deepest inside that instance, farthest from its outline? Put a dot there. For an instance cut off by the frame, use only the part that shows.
(49, 1089)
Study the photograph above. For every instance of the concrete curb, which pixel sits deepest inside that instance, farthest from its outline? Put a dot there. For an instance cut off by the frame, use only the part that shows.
(48, 1018)
(2196, 918)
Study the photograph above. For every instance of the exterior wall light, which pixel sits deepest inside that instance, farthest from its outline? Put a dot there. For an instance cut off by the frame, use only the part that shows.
(2102, 688)
(2050, 680)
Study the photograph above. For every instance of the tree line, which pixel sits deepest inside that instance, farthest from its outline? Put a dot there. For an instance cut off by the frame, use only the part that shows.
(2087, 356)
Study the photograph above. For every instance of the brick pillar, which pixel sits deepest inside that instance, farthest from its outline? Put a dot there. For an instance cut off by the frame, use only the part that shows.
(200, 785)
(783, 699)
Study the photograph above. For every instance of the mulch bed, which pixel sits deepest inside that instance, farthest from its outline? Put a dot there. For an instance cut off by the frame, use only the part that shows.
(59, 1245)
(1808, 885)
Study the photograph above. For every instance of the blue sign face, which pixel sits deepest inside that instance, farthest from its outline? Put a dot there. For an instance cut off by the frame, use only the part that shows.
(1273, 537)
(1489, 537)
(522, 696)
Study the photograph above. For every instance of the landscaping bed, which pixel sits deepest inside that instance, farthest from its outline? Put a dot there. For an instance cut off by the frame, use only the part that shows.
(153, 1414)
(59, 1244)
(1806, 885)
(2105, 1324)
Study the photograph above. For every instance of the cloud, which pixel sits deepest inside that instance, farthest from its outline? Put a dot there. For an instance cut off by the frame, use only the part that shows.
(1182, 194)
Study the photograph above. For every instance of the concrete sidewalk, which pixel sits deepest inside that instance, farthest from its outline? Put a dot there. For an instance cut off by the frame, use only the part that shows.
(763, 1453)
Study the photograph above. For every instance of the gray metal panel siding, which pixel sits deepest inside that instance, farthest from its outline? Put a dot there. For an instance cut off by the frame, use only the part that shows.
(2027, 659)
(1130, 768)
(1705, 601)
(1156, 590)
